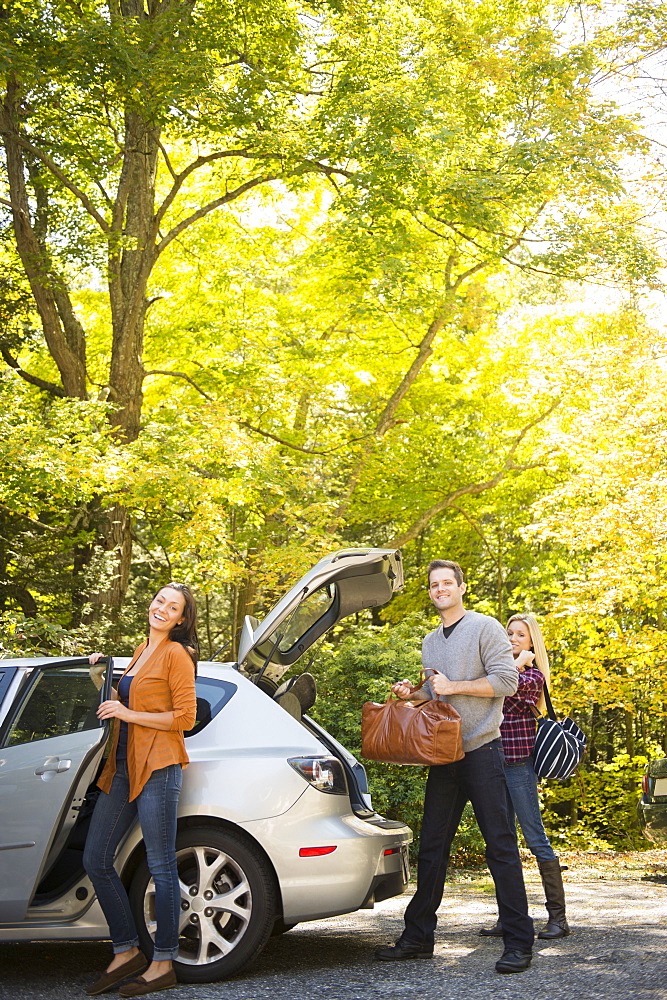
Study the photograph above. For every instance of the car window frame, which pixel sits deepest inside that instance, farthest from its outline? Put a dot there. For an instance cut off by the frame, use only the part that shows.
(32, 679)
(7, 675)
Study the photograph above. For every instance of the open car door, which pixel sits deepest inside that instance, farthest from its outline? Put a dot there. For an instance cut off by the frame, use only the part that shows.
(51, 744)
(341, 584)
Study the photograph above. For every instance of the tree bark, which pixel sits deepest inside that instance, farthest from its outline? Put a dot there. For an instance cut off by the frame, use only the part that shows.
(62, 331)
(115, 540)
(132, 256)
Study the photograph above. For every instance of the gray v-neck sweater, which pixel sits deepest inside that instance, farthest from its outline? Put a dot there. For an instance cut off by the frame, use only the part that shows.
(478, 647)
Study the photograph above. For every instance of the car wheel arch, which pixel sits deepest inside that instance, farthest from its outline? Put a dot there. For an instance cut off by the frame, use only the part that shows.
(231, 886)
(209, 822)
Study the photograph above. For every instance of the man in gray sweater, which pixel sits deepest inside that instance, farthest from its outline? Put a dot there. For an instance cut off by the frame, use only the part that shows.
(468, 661)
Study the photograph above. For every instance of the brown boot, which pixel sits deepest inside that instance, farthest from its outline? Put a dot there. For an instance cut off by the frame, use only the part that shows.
(552, 880)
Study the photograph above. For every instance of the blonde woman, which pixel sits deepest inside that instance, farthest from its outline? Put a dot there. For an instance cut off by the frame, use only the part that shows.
(518, 735)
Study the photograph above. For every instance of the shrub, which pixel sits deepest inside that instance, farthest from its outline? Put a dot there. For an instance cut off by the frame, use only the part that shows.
(597, 808)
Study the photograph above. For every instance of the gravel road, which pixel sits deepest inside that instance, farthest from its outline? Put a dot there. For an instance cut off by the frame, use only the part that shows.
(617, 905)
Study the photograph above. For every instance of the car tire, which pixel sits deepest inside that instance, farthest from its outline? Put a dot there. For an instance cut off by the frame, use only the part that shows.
(228, 904)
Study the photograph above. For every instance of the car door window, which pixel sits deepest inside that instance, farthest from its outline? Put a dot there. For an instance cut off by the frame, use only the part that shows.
(61, 701)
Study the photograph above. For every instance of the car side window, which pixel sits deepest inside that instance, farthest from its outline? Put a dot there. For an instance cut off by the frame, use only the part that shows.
(62, 701)
(212, 696)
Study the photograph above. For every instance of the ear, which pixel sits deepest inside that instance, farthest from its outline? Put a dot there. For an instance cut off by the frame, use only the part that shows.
(464, 587)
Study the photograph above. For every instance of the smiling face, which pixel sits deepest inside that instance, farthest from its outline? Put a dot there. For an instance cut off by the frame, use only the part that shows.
(445, 591)
(519, 636)
(166, 610)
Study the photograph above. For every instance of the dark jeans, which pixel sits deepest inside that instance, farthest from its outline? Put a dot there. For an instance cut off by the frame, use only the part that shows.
(156, 807)
(478, 778)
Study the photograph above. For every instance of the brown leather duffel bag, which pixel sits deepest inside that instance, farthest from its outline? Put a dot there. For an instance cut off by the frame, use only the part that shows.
(401, 732)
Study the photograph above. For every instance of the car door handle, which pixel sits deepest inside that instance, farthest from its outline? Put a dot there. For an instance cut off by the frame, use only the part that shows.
(53, 764)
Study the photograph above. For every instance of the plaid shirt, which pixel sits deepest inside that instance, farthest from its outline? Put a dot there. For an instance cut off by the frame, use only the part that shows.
(518, 726)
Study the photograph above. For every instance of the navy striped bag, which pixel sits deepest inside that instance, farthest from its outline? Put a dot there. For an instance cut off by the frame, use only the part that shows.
(559, 745)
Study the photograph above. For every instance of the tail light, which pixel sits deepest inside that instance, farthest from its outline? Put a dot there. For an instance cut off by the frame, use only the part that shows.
(316, 852)
(324, 773)
(645, 785)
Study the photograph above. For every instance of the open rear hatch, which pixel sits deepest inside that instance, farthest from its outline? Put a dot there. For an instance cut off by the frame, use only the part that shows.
(341, 584)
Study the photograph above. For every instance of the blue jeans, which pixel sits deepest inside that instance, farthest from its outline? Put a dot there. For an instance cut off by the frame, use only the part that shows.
(156, 807)
(524, 802)
(478, 778)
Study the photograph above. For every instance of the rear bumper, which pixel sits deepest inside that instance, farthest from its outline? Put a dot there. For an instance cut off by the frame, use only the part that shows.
(368, 861)
(384, 887)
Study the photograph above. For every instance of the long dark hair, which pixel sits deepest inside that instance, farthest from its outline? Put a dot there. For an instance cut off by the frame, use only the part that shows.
(186, 631)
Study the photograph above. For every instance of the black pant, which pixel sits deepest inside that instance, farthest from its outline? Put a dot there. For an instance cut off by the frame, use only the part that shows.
(478, 778)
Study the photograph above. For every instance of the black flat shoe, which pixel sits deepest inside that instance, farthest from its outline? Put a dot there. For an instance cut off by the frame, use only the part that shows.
(514, 961)
(495, 931)
(140, 987)
(401, 950)
(108, 980)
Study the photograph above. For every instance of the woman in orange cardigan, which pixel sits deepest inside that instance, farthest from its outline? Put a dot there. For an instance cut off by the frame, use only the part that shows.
(154, 705)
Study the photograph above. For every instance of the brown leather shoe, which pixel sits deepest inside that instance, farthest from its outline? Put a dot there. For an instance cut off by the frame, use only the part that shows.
(138, 987)
(109, 979)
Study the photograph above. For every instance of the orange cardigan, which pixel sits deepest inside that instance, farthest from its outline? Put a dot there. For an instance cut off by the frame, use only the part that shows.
(165, 683)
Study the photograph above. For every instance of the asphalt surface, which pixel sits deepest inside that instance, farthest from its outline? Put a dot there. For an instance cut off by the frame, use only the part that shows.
(617, 949)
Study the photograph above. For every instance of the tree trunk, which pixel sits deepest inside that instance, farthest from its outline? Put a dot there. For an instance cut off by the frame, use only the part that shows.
(115, 543)
(593, 736)
(629, 733)
(246, 595)
(132, 256)
(63, 333)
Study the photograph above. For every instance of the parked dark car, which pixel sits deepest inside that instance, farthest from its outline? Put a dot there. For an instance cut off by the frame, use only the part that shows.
(652, 807)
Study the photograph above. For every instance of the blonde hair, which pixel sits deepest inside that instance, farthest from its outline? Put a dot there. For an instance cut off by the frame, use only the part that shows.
(540, 650)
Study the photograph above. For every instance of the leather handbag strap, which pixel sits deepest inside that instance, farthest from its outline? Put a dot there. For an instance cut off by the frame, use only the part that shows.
(423, 677)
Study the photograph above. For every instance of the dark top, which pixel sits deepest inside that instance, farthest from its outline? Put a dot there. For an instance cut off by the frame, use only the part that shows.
(124, 695)
(448, 629)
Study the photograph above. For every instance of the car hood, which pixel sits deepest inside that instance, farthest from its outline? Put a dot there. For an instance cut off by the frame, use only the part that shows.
(341, 584)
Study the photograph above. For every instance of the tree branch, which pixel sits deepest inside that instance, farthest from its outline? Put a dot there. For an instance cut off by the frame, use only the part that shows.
(157, 371)
(41, 383)
(179, 179)
(167, 161)
(473, 489)
(386, 418)
(31, 520)
(298, 447)
(65, 181)
(211, 207)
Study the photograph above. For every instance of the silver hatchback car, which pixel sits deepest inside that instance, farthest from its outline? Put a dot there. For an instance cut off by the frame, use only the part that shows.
(275, 825)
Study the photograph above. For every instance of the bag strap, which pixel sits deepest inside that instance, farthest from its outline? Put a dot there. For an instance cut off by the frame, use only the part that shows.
(414, 688)
(550, 709)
